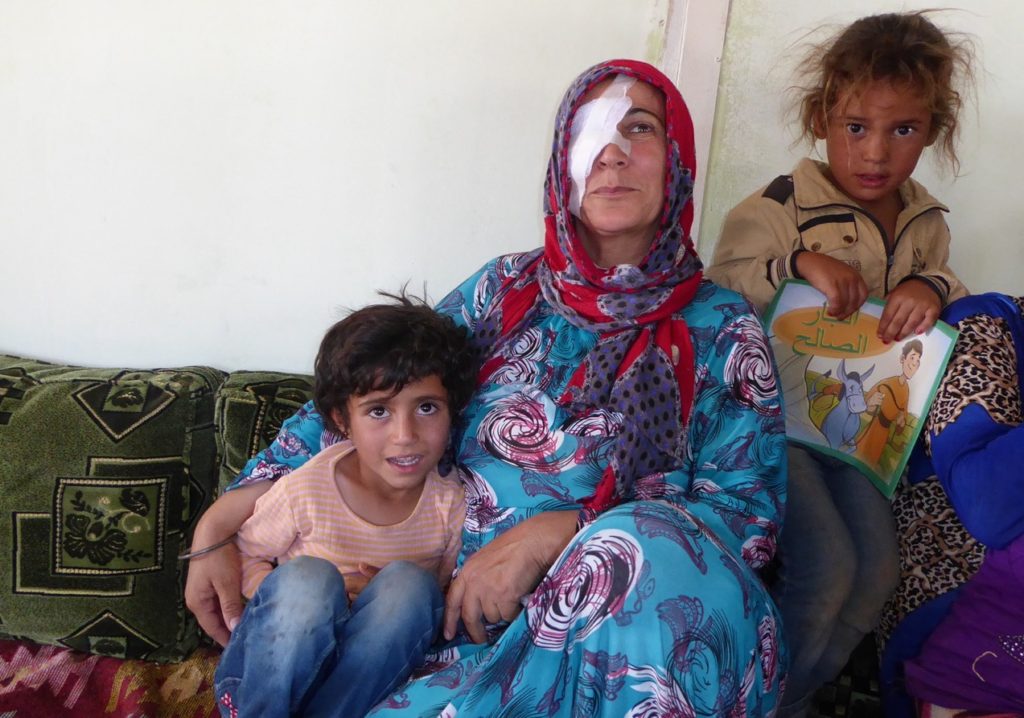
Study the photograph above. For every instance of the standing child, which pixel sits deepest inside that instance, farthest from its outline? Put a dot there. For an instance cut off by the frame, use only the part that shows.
(365, 534)
(879, 92)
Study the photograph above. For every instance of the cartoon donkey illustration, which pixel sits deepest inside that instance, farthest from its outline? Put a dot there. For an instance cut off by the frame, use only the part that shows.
(842, 422)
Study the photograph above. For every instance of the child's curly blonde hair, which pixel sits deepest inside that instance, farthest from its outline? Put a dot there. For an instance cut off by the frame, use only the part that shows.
(900, 48)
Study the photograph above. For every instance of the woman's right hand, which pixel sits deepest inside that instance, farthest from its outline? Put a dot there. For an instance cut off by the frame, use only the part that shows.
(213, 589)
(492, 582)
(842, 285)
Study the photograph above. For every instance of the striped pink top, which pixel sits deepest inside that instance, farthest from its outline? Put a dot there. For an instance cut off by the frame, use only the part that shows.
(304, 514)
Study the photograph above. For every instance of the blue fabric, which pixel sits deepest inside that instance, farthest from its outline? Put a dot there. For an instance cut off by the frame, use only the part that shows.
(656, 606)
(991, 304)
(839, 565)
(965, 453)
(300, 650)
(301, 436)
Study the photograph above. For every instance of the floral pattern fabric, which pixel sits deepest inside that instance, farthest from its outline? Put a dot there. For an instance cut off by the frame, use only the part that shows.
(655, 608)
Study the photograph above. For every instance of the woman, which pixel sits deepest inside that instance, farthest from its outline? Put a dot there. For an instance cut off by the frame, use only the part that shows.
(956, 620)
(624, 452)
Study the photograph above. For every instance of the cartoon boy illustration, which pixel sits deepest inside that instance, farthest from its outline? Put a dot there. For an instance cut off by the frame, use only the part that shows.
(888, 399)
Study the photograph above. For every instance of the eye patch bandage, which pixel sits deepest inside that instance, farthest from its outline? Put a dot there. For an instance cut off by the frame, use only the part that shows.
(596, 126)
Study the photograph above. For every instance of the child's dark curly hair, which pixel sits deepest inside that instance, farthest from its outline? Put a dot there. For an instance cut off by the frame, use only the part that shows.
(383, 347)
(901, 48)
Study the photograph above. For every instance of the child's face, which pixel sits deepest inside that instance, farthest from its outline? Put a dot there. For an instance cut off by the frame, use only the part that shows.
(399, 439)
(874, 141)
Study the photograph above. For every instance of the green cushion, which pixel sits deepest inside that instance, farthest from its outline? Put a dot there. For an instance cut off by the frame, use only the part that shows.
(250, 409)
(103, 475)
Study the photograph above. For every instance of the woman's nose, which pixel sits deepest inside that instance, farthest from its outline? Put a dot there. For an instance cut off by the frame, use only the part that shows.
(612, 156)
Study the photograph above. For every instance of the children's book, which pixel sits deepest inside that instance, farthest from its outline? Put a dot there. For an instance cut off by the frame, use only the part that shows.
(846, 393)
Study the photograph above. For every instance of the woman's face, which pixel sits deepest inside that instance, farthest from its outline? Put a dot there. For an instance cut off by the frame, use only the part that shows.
(625, 193)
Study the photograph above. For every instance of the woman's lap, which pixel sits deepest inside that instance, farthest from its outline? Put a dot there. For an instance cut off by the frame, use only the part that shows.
(644, 613)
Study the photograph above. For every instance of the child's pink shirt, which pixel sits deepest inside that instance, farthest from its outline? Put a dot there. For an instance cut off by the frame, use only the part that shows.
(304, 514)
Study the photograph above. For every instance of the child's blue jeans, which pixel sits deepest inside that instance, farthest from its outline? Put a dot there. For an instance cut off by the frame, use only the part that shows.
(300, 650)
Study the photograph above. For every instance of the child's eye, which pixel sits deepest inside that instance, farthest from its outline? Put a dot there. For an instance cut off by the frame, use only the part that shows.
(377, 412)
(855, 128)
(428, 407)
(904, 131)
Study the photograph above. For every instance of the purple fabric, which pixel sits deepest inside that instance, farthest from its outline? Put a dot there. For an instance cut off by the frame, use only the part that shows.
(974, 660)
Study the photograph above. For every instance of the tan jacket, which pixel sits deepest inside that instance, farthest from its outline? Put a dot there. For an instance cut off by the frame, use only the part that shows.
(804, 211)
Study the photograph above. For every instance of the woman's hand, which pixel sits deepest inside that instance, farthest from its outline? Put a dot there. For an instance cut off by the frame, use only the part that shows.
(213, 590)
(911, 308)
(842, 285)
(494, 580)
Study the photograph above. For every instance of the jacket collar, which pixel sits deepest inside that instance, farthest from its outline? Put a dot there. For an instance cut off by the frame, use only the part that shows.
(813, 190)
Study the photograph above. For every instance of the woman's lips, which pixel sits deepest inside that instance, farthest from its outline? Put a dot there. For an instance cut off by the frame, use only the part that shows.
(616, 191)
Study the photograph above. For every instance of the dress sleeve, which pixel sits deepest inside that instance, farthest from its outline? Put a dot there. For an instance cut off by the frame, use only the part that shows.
(757, 249)
(976, 435)
(266, 535)
(467, 303)
(737, 478)
(302, 436)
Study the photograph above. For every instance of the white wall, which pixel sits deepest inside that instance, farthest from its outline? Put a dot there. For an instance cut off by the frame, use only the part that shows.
(751, 141)
(187, 181)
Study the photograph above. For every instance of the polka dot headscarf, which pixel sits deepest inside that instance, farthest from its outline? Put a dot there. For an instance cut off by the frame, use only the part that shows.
(642, 366)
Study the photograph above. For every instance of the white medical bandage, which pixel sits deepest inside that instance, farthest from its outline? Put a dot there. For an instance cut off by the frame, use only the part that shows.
(595, 126)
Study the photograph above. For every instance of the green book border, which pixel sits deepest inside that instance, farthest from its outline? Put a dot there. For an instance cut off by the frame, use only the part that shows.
(886, 486)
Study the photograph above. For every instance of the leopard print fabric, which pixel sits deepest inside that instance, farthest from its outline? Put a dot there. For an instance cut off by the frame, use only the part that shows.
(983, 371)
(937, 554)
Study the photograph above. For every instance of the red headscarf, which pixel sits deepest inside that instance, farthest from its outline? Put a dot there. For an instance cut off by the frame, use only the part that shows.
(643, 364)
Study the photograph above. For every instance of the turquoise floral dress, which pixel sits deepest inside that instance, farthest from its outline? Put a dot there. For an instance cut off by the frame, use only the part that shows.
(656, 607)
(644, 399)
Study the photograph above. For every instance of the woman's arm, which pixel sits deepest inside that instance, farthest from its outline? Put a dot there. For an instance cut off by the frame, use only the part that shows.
(213, 590)
(302, 435)
(737, 488)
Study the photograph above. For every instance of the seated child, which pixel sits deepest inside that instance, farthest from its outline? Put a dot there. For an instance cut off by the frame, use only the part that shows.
(365, 535)
(877, 94)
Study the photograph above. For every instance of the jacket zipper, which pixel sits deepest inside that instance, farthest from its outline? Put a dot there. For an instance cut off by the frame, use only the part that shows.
(890, 252)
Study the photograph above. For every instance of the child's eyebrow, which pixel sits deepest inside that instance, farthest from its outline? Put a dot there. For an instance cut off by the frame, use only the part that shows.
(383, 397)
(432, 397)
(374, 397)
(905, 121)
